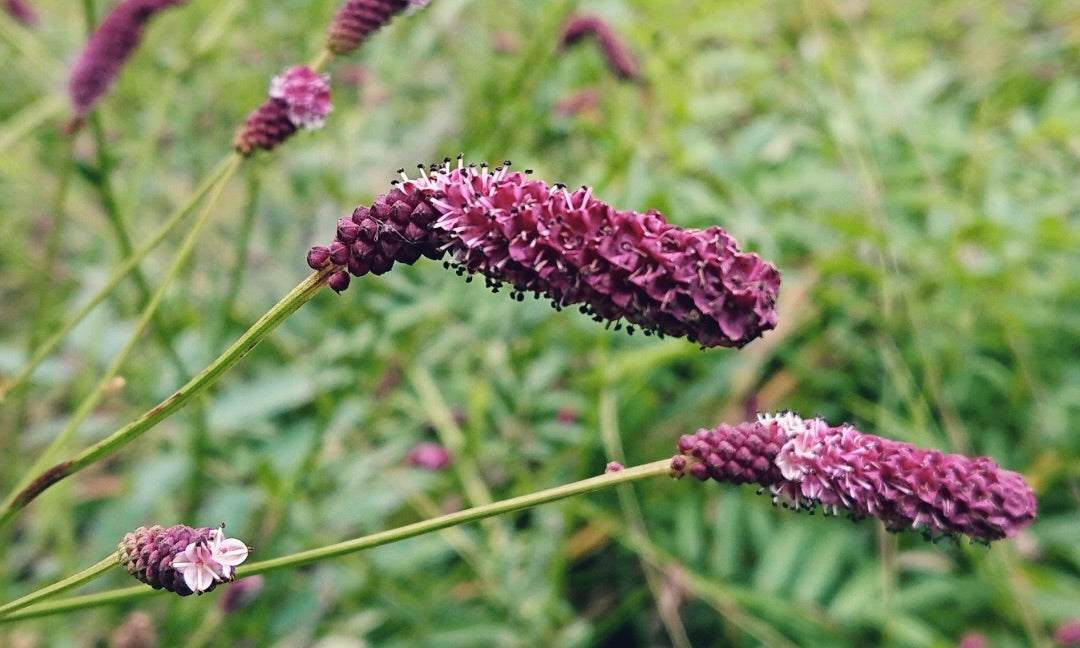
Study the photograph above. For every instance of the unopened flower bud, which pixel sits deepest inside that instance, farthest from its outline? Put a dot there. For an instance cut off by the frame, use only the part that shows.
(318, 257)
(339, 281)
(806, 463)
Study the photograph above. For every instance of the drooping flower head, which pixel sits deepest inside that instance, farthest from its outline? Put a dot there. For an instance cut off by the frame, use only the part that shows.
(358, 19)
(617, 55)
(807, 462)
(108, 48)
(569, 246)
(181, 559)
(299, 98)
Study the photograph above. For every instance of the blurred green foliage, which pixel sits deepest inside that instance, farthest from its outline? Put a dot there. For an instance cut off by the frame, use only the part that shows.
(911, 167)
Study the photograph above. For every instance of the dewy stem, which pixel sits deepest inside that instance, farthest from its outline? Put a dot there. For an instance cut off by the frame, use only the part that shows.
(600, 482)
(117, 276)
(86, 407)
(85, 576)
(296, 298)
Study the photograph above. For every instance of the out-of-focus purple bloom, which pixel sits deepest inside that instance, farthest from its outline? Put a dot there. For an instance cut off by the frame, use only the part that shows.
(973, 639)
(181, 559)
(241, 593)
(430, 456)
(618, 56)
(806, 462)
(1068, 633)
(299, 98)
(21, 12)
(567, 245)
(614, 466)
(358, 19)
(108, 48)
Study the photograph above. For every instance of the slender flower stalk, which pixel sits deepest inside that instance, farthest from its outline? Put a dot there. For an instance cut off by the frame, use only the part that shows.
(208, 376)
(299, 98)
(225, 168)
(109, 47)
(617, 55)
(592, 484)
(806, 462)
(567, 245)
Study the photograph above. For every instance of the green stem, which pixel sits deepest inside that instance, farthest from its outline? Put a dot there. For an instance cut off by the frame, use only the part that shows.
(600, 482)
(85, 576)
(117, 276)
(86, 407)
(103, 182)
(30, 117)
(208, 376)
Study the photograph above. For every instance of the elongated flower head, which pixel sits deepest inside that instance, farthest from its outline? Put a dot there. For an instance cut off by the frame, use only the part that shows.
(108, 49)
(299, 98)
(617, 55)
(807, 462)
(181, 559)
(569, 246)
(358, 19)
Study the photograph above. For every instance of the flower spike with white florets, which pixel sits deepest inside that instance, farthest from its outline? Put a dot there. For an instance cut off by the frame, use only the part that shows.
(616, 265)
(299, 98)
(181, 559)
(807, 462)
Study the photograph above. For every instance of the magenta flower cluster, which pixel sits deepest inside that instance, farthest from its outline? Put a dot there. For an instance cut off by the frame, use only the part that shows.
(299, 98)
(108, 49)
(807, 462)
(577, 250)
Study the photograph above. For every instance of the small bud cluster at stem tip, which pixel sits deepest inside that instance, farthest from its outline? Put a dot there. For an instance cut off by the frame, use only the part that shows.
(108, 48)
(617, 55)
(616, 265)
(358, 19)
(299, 98)
(181, 559)
(807, 462)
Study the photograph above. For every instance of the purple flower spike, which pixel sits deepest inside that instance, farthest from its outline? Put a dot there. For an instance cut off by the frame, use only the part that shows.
(571, 247)
(618, 56)
(358, 19)
(181, 559)
(299, 98)
(805, 462)
(21, 12)
(108, 48)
